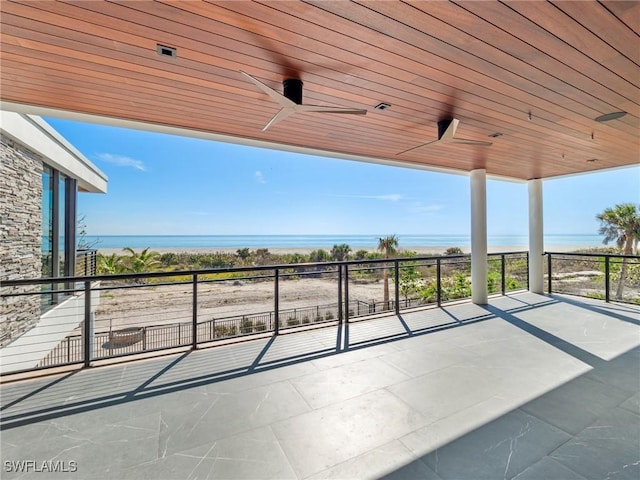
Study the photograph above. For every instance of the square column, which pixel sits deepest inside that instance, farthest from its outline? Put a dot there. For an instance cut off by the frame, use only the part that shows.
(536, 237)
(479, 290)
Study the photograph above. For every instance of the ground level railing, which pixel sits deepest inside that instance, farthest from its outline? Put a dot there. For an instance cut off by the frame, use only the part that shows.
(86, 262)
(107, 316)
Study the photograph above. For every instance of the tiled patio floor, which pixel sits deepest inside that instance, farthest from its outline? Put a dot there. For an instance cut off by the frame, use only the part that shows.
(527, 387)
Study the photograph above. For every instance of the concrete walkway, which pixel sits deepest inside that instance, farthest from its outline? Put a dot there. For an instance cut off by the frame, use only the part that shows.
(527, 387)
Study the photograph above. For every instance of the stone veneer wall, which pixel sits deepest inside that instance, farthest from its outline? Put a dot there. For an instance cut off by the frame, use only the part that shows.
(20, 235)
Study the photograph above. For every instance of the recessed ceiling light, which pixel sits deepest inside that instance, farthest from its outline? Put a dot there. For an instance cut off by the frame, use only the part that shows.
(496, 135)
(382, 106)
(610, 116)
(165, 51)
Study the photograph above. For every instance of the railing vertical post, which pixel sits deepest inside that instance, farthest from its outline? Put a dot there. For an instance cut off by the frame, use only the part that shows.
(607, 280)
(276, 300)
(346, 292)
(194, 320)
(527, 272)
(340, 309)
(548, 273)
(396, 265)
(88, 327)
(438, 283)
(503, 274)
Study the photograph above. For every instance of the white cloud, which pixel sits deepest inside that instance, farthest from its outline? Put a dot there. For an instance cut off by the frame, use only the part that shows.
(122, 161)
(260, 177)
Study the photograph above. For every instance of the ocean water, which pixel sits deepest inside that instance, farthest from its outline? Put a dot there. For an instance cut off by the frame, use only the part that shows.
(323, 241)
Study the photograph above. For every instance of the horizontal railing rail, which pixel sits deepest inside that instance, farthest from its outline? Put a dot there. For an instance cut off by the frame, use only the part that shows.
(105, 316)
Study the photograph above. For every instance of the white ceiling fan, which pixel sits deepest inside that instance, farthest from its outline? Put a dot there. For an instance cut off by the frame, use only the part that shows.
(291, 101)
(446, 135)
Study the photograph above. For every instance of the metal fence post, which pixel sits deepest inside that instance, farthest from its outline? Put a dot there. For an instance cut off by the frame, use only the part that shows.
(396, 265)
(340, 310)
(607, 280)
(438, 283)
(88, 324)
(346, 292)
(548, 272)
(276, 300)
(527, 259)
(194, 323)
(503, 275)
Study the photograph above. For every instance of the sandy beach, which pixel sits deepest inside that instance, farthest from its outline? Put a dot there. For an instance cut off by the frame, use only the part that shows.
(431, 250)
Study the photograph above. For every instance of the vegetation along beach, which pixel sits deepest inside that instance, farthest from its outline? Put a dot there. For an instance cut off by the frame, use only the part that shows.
(228, 292)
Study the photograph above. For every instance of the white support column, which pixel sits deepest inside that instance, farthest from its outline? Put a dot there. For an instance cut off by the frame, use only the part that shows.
(479, 293)
(536, 237)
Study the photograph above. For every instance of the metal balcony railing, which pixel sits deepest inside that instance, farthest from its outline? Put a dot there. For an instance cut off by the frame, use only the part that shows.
(106, 316)
(594, 275)
(86, 262)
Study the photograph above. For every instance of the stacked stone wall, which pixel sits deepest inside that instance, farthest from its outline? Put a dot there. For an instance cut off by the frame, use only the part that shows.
(20, 236)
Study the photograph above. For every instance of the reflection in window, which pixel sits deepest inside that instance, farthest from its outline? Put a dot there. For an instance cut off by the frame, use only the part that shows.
(47, 222)
(58, 223)
(62, 204)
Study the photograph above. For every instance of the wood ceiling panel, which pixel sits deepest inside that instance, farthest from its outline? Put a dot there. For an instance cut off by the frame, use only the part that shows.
(583, 43)
(99, 58)
(625, 11)
(600, 24)
(484, 73)
(531, 60)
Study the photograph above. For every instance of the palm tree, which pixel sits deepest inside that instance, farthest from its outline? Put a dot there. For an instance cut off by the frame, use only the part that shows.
(142, 262)
(110, 265)
(340, 252)
(387, 245)
(622, 225)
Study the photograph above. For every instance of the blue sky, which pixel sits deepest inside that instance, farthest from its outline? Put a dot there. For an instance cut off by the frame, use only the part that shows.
(168, 185)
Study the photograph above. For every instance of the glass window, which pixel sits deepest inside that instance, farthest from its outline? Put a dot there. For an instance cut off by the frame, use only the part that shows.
(47, 222)
(62, 205)
(58, 203)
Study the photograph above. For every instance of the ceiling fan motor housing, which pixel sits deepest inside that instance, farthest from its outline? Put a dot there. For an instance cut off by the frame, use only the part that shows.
(442, 127)
(292, 89)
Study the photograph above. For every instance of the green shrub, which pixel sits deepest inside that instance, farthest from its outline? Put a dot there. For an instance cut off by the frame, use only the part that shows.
(246, 326)
(222, 331)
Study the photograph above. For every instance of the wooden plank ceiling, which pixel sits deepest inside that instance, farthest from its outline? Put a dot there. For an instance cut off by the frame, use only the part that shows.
(538, 73)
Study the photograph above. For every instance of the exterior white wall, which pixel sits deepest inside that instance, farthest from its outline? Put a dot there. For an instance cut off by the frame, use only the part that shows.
(479, 289)
(50, 145)
(536, 237)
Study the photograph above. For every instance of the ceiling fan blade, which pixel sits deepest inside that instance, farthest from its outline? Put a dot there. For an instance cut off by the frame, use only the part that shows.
(464, 141)
(322, 109)
(419, 146)
(278, 97)
(278, 117)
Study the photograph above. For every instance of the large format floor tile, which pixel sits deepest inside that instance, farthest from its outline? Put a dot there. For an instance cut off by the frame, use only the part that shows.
(529, 387)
